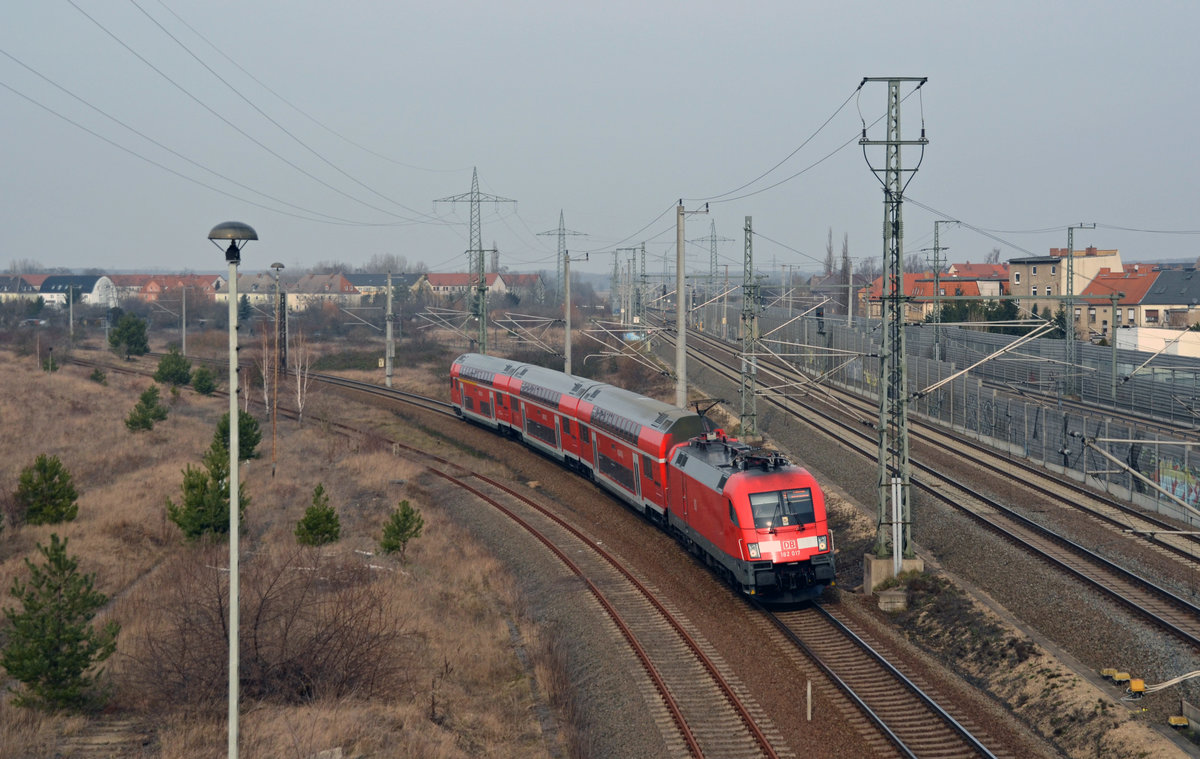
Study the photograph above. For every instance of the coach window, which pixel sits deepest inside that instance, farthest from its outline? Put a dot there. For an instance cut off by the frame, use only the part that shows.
(732, 514)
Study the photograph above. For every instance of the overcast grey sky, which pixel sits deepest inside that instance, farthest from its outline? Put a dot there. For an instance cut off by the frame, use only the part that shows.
(355, 116)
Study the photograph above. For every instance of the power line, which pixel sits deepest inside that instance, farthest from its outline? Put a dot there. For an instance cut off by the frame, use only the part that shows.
(785, 159)
(229, 123)
(170, 150)
(164, 167)
(299, 110)
(266, 116)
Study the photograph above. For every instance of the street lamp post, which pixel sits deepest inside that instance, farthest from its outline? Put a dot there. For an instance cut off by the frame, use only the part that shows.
(275, 369)
(234, 232)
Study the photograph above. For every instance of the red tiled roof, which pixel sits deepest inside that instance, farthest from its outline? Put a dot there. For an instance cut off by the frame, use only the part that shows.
(978, 271)
(1133, 284)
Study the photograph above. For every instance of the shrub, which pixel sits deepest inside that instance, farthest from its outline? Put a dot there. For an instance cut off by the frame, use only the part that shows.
(405, 524)
(249, 435)
(51, 645)
(45, 493)
(203, 381)
(174, 368)
(147, 411)
(99, 377)
(311, 629)
(320, 524)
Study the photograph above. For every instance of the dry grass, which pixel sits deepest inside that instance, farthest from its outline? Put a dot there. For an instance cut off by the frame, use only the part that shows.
(461, 690)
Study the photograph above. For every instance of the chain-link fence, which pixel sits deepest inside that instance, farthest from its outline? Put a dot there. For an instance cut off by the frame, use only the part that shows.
(1015, 401)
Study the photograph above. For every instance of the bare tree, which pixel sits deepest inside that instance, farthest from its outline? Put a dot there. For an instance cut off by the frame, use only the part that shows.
(382, 264)
(993, 257)
(263, 364)
(24, 266)
(829, 253)
(300, 357)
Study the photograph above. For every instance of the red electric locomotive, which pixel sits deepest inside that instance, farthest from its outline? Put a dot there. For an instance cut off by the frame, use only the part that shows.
(759, 520)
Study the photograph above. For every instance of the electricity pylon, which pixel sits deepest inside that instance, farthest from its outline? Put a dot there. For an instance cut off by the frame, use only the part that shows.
(750, 308)
(561, 259)
(894, 471)
(476, 252)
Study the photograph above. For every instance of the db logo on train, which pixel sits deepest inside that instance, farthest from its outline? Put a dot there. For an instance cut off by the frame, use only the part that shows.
(789, 545)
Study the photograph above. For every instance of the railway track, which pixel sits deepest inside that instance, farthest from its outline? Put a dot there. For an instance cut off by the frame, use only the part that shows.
(900, 709)
(1155, 604)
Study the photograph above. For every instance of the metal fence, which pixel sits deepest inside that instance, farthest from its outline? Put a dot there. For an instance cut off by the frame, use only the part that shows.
(996, 402)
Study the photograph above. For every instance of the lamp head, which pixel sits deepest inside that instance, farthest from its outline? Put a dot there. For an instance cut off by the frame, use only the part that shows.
(234, 231)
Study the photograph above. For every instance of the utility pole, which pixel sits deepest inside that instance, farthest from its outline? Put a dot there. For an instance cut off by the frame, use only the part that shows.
(681, 307)
(475, 255)
(750, 306)
(849, 274)
(725, 306)
(560, 263)
(1072, 372)
(567, 310)
(1114, 297)
(641, 301)
(894, 472)
(937, 289)
(182, 321)
(390, 350)
(624, 285)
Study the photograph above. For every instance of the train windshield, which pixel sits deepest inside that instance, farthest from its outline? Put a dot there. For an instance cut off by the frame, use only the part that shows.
(782, 508)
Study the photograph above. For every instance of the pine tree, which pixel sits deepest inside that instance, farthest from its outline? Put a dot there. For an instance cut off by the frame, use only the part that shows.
(129, 336)
(45, 493)
(147, 411)
(204, 507)
(405, 524)
(249, 435)
(174, 368)
(51, 645)
(320, 524)
(203, 380)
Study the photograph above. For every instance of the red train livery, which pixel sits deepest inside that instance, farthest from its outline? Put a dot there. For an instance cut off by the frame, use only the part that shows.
(756, 519)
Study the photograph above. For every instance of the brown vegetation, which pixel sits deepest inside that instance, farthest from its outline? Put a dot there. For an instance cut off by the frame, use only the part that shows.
(340, 648)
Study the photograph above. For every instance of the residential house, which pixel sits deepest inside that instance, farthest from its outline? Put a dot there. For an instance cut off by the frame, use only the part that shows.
(370, 285)
(991, 279)
(1041, 281)
(454, 284)
(526, 287)
(918, 289)
(1130, 286)
(128, 286)
(198, 287)
(86, 289)
(316, 289)
(1173, 300)
(17, 288)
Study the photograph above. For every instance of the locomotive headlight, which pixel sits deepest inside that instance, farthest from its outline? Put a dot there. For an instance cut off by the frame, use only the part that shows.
(822, 542)
(752, 548)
